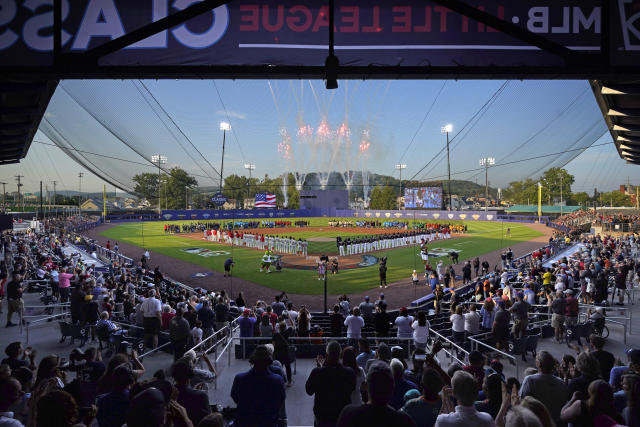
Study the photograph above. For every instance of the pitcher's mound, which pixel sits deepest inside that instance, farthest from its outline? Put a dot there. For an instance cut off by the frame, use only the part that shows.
(344, 263)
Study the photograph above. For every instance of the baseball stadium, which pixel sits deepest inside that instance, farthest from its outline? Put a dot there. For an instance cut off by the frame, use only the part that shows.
(325, 213)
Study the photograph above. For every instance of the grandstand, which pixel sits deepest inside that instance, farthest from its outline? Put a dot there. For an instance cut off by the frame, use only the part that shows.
(57, 321)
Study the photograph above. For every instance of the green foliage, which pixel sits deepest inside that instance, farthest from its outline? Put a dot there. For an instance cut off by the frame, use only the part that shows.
(581, 198)
(555, 182)
(172, 190)
(147, 186)
(383, 198)
(615, 199)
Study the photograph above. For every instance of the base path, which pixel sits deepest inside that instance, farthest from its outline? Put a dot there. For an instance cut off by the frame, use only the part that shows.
(398, 294)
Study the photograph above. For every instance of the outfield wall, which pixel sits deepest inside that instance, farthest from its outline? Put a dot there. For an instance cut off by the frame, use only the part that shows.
(181, 215)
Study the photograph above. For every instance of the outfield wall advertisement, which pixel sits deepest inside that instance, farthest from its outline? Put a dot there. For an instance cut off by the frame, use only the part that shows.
(291, 33)
(283, 214)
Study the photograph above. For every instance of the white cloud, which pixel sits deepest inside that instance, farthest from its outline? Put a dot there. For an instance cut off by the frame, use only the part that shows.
(233, 114)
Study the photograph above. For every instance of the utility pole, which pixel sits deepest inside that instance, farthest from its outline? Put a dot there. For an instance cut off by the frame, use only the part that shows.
(446, 129)
(224, 127)
(54, 198)
(4, 192)
(40, 214)
(18, 178)
(80, 175)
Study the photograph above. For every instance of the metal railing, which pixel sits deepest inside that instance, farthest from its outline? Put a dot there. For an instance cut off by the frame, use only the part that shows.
(514, 360)
(41, 319)
(453, 344)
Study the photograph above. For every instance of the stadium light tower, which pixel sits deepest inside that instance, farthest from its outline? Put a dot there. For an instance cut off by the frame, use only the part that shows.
(249, 167)
(159, 160)
(80, 175)
(486, 162)
(447, 129)
(400, 166)
(224, 127)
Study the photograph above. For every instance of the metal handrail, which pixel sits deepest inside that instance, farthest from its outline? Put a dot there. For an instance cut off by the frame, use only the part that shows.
(621, 324)
(515, 359)
(41, 320)
(154, 350)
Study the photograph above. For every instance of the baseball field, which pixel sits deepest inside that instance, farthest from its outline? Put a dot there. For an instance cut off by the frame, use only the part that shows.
(482, 237)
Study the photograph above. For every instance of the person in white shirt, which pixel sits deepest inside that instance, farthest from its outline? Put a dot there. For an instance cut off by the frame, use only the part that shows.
(472, 321)
(421, 331)
(465, 389)
(152, 312)
(457, 325)
(196, 333)
(354, 323)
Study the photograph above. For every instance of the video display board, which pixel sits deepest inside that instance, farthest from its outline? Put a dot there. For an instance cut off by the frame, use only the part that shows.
(423, 197)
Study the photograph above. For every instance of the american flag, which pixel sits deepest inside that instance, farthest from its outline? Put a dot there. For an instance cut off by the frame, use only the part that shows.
(264, 200)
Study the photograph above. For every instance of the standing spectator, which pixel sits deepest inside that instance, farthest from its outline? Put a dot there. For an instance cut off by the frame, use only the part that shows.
(466, 273)
(179, 334)
(196, 333)
(114, 405)
(475, 366)
(488, 314)
(280, 342)
(476, 266)
(382, 270)
(421, 331)
(207, 317)
(381, 321)
(424, 410)
(195, 402)
(472, 321)
(166, 317)
(500, 329)
(260, 382)
(152, 312)
(571, 310)
(457, 325)
(465, 390)
(492, 389)
(14, 299)
(367, 309)
(64, 283)
(520, 312)
(349, 361)
(246, 322)
(304, 322)
(404, 322)
(400, 384)
(266, 329)
(354, 323)
(365, 353)
(558, 309)
(278, 306)
(222, 313)
(336, 322)
(605, 358)
(228, 264)
(331, 384)
(546, 387)
(583, 412)
(589, 369)
(377, 411)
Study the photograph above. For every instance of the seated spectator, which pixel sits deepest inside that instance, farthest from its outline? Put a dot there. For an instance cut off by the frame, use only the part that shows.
(588, 368)
(377, 411)
(10, 394)
(615, 378)
(258, 381)
(56, 409)
(105, 323)
(465, 390)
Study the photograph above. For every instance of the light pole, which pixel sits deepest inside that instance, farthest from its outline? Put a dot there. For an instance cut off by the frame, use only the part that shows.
(80, 175)
(4, 192)
(486, 162)
(249, 167)
(159, 160)
(400, 166)
(224, 127)
(446, 129)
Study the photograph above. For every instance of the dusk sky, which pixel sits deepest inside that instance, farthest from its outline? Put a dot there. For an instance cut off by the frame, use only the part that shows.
(549, 123)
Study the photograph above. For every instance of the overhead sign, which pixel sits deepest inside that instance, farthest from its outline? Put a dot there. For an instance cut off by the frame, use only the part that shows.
(385, 32)
(218, 199)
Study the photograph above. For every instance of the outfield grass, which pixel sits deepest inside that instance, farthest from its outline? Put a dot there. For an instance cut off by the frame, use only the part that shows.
(483, 237)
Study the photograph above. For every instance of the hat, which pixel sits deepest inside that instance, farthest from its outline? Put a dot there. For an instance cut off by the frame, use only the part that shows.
(246, 312)
(569, 291)
(88, 297)
(381, 295)
(411, 394)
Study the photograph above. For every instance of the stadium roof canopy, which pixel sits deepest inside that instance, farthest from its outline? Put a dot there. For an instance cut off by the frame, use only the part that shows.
(545, 209)
(444, 39)
(620, 105)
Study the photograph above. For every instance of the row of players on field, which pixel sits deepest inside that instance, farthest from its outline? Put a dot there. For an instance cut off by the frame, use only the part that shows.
(361, 245)
(284, 245)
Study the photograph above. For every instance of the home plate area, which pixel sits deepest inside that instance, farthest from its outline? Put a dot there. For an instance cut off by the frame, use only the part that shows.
(345, 262)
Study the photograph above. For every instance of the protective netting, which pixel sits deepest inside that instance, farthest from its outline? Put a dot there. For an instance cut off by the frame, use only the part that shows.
(112, 127)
